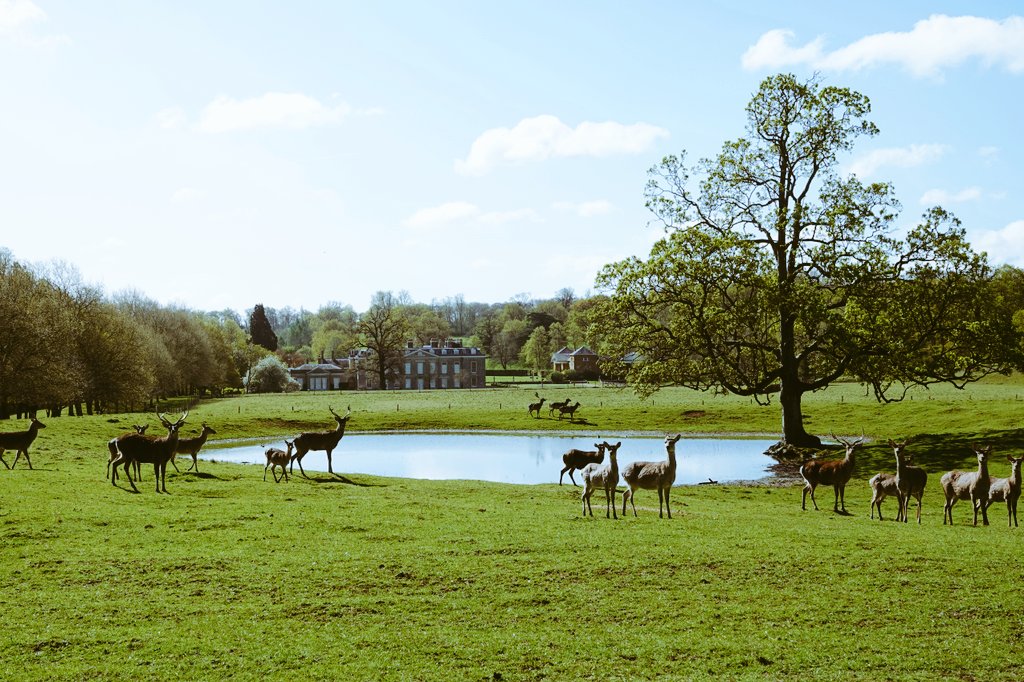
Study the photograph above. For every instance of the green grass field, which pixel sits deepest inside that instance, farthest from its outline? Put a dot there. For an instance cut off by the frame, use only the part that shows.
(389, 579)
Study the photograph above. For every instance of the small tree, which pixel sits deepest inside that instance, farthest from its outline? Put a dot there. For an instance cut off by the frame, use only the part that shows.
(269, 375)
(260, 330)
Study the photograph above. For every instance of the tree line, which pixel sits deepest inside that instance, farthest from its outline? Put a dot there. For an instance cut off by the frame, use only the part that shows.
(65, 347)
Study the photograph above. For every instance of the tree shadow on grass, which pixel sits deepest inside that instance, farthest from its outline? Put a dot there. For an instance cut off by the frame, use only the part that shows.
(941, 452)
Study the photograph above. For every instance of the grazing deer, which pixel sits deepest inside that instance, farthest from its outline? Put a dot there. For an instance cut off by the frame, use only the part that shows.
(910, 480)
(155, 450)
(569, 410)
(114, 454)
(577, 459)
(883, 486)
(19, 441)
(192, 446)
(320, 440)
(1007, 490)
(972, 485)
(652, 476)
(535, 407)
(277, 457)
(606, 477)
(833, 472)
(552, 407)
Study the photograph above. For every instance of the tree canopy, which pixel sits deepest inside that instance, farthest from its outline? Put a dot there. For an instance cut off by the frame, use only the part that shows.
(777, 275)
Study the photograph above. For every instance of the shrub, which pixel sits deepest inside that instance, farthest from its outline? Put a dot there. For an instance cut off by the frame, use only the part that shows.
(558, 378)
(270, 376)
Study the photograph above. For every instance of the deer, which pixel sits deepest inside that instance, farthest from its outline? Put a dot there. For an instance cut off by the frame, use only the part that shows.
(578, 459)
(883, 486)
(112, 448)
(1007, 490)
(606, 477)
(569, 410)
(968, 485)
(552, 407)
(320, 440)
(155, 450)
(652, 476)
(19, 441)
(277, 457)
(833, 472)
(191, 446)
(535, 407)
(910, 480)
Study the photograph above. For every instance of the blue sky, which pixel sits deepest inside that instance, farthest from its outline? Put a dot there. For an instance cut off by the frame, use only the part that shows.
(221, 154)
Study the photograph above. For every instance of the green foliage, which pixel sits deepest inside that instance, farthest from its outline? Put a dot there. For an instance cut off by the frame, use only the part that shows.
(270, 375)
(260, 330)
(779, 276)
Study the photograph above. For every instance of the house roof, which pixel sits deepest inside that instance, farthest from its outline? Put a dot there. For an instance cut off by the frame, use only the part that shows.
(561, 355)
(582, 350)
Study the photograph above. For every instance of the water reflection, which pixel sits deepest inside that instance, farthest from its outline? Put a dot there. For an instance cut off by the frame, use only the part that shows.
(507, 458)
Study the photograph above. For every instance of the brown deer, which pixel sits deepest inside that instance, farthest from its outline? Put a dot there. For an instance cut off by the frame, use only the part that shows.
(569, 410)
(276, 457)
(535, 407)
(968, 485)
(910, 480)
(320, 440)
(652, 476)
(155, 450)
(19, 441)
(1008, 490)
(833, 472)
(552, 407)
(577, 459)
(112, 447)
(192, 446)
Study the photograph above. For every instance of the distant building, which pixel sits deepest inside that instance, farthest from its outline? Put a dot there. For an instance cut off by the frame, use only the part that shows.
(442, 364)
(438, 364)
(581, 360)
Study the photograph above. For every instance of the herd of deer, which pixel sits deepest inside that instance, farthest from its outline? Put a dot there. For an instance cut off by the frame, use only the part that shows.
(909, 482)
(135, 448)
(566, 407)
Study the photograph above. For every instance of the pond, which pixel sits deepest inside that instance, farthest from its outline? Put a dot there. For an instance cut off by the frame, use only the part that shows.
(512, 458)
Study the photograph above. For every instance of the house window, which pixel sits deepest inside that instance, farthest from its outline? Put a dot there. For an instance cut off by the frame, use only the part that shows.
(419, 368)
(444, 381)
(444, 370)
(458, 384)
(408, 382)
(472, 366)
(457, 368)
(408, 369)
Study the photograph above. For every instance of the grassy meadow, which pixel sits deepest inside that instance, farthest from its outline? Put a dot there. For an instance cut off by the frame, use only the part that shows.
(367, 578)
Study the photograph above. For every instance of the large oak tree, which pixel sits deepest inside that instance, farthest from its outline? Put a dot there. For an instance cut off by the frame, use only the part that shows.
(778, 276)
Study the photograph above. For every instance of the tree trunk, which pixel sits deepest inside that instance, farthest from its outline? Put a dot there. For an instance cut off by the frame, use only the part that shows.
(793, 432)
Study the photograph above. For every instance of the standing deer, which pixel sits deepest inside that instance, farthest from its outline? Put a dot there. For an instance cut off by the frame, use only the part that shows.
(569, 410)
(191, 446)
(277, 457)
(114, 454)
(910, 481)
(973, 486)
(652, 476)
(1007, 490)
(320, 440)
(833, 472)
(19, 441)
(535, 407)
(552, 407)
(155, 450)
(577, 459)
(606, 477)
(883, 486)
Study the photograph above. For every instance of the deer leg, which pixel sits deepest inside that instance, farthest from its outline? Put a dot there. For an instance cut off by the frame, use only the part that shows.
(330, 466)
(195, 463)
(984, 512)
(668, 507)
(661, 497)
(571, 470)
(128, 475)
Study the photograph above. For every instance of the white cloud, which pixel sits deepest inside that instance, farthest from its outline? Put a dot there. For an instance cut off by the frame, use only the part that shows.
(18, 19)
(462, 211)
(901, 157)
(586, 209)
(543, 137)
(185, 195)
(450, 212)
(172, 118)
(272, 110)
(933, 44)
(1005, 245)
(941, 196)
